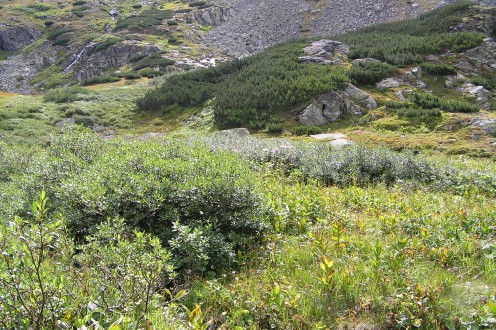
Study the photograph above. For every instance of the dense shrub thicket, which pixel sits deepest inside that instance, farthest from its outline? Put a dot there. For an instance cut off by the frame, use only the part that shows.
(489, 84)
(250, 91)
(405, 49)
(429, 101)
(107, 43)
(155, 60)
(355, 165)
(438, 69)
(64, 95)
(99, 80)
(169, 190)
(404, 43)
(371, 72)
(144, 20)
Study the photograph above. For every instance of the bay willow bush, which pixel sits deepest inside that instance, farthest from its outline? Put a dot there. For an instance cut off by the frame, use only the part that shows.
(355, 165)
(65, 95)
(118, 278)
(160, 188)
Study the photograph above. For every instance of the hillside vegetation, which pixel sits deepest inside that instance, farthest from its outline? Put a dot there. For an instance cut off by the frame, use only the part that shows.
(174, 233)
(262, 89)
(107, 223)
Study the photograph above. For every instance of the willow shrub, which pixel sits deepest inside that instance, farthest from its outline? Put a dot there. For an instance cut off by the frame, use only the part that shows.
(160, 188)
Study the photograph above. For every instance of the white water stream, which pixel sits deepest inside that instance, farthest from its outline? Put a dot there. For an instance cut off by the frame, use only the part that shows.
(78, 56)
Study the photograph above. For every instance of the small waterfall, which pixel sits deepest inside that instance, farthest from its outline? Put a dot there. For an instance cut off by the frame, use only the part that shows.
(78, 56)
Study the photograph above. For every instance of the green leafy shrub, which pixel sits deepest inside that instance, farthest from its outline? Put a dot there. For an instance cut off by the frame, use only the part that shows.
(438, 69)
(107, 43)
(117, 272)
(137, 5)
(155, 60)
(55, 32)
(275, 128)
(99, 80)
(371, 72)
(150, 73)
(153, 186)
(64, 95)
(79, 3)
(147, 19)
(306, 130)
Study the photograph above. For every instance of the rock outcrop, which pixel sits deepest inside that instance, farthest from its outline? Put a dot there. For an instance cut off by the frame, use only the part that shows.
(325, 52)
(488, 126)
(94, 63)
(14, 38)
(212, 16)
(332, 106)
(17, 71)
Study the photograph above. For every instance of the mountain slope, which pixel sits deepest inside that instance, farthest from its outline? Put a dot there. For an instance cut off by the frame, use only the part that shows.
(56, 44)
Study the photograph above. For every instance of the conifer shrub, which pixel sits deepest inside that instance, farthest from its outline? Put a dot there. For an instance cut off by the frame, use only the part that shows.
(306, 130)
(371, 72)
(107, 43)
(429, 101)
(145, 20)
(99, 80)
(489, 84)
(155, 60)
(438, 69)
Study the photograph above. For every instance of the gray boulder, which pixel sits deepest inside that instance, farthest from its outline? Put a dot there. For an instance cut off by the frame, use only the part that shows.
(388, 83)
(63, 123)
(325, 52)
(312, 115)
(328, 136)
(332, 106)
(94, 63)
(479, 93)
(361, 97)
(241, 132)
(361, 61)
(212, 16)
(488, 126)
(14, 38)
(339, 143)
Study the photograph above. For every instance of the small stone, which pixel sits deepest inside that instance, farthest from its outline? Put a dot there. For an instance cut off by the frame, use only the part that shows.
(328, 136)
(241, 132)
(339, 143)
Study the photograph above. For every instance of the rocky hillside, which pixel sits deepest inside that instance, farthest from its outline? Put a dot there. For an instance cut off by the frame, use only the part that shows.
(257, 24)
(51, 43)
